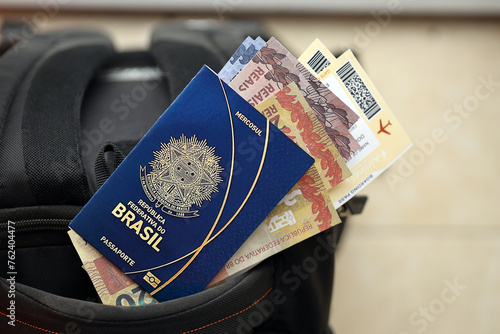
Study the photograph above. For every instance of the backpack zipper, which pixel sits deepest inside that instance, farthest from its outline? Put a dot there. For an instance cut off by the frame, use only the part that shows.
(36, 225)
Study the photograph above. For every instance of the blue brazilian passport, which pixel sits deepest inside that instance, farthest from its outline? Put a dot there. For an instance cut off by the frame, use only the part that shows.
(192, 191)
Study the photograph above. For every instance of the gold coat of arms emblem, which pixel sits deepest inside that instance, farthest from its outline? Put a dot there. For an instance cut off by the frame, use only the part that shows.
(185, 172)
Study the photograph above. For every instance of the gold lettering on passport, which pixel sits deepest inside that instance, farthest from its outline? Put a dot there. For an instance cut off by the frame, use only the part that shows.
(152, 279)
(128, 217)
(248, 123)
(185, 172)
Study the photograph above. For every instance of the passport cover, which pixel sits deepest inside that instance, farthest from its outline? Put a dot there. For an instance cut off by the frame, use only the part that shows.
(192, 191)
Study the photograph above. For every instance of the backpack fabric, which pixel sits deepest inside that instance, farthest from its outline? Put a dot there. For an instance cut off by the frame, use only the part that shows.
(61, 93)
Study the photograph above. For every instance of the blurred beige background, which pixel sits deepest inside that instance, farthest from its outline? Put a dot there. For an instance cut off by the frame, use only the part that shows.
(437, 228)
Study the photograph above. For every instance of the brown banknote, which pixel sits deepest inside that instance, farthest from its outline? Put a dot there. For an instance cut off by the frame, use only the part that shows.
(304, 212)
(112, 285)
(307, 209)
(288, 106)
(273, 68)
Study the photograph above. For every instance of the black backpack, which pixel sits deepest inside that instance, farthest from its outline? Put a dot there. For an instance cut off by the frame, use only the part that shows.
(70, 105)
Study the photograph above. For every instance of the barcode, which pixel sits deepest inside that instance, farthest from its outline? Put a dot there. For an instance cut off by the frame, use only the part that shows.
(358, 90)
(318, 62)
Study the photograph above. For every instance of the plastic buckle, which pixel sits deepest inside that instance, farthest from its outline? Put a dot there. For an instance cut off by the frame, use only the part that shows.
(354, 207)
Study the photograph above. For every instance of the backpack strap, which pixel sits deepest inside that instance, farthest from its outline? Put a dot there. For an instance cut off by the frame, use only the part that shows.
(40, 152)
(183, 47)
(182, 53)
(108, 159)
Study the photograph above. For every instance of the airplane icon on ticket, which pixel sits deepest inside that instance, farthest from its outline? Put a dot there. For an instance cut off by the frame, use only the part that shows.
(382, 127)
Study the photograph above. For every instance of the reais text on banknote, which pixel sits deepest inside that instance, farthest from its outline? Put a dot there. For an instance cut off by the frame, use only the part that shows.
(273, 68)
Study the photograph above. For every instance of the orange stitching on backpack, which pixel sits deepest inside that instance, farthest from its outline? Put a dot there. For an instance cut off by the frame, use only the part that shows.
(191, 331)
(24, 323)
(233, 315)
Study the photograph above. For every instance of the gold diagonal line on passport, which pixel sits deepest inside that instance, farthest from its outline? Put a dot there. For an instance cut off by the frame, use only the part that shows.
(197, 250)
(207, 241)
(223, 202)
(229, 221)
(230, 180)
(264, 153)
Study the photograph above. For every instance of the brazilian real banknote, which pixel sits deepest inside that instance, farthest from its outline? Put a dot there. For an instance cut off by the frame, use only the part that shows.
(273, 68)
(111, 284)
(240, 58)
(307, 209)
